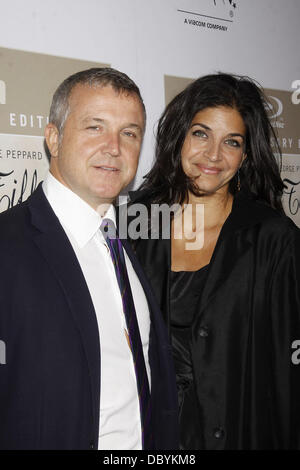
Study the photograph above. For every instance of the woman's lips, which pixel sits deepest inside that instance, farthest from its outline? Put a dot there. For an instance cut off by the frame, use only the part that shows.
(209, 170)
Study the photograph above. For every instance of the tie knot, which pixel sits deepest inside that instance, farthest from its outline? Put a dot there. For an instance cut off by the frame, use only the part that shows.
(108, 229)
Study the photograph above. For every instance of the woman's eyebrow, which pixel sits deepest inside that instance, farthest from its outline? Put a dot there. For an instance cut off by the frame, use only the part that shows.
(202, 125)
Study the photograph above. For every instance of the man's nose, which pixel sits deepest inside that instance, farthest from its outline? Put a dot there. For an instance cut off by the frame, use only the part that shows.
(112, 144)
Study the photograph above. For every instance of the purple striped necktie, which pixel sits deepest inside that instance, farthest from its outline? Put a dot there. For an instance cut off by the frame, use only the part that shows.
(114, 244)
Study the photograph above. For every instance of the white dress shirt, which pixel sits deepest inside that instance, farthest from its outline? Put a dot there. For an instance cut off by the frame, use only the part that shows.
(120, 424)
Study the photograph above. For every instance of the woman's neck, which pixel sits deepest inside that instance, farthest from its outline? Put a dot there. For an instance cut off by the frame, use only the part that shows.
(217, 207)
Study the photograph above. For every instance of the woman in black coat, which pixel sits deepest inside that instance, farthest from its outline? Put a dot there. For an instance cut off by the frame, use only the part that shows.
(228, 282)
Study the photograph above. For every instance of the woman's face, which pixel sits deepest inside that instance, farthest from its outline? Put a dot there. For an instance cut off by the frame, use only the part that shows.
(213, 149)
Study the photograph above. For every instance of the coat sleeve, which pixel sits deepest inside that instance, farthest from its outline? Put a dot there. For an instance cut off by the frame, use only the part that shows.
(285, 341)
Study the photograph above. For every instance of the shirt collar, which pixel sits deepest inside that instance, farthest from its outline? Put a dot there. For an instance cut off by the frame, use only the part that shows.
(75, 215)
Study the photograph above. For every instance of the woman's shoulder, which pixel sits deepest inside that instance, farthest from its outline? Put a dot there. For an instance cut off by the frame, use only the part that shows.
(251, 212)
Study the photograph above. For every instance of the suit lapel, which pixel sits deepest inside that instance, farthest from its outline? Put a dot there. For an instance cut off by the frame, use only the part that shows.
(54, 245)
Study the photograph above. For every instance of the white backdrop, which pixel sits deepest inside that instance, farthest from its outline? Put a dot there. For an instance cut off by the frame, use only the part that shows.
(149, 39)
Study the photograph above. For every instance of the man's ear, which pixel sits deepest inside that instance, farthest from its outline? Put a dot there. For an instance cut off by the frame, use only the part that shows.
(52, 139)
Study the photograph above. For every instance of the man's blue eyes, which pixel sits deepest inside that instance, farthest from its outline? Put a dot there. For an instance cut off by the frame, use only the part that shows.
(97, 128)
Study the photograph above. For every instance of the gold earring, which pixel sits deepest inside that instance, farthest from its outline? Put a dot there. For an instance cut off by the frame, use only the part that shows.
(238, 180)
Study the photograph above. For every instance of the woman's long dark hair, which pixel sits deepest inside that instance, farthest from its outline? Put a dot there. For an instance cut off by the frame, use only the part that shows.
(167, 182)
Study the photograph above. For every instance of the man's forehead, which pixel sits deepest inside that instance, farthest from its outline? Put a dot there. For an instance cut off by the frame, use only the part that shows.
(86, 97)
(83, 91)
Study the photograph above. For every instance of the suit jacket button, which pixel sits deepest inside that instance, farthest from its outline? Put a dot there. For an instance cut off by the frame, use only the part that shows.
(203, 331)
(219, 433)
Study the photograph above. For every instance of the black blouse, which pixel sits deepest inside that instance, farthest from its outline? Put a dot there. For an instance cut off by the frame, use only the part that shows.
(185, 291)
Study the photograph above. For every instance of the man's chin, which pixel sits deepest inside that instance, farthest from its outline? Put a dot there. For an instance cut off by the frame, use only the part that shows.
(106, 197)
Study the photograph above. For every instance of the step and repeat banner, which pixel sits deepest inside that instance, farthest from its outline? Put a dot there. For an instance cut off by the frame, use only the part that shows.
(163, 46)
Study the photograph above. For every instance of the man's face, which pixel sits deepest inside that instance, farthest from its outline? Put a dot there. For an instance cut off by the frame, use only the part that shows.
(98, 153)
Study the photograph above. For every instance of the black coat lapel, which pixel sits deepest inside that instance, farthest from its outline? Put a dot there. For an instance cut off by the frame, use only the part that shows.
(221, 266)
(55, 247)
(229, 247)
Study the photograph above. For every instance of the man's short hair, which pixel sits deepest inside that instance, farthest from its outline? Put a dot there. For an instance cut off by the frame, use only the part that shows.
(94, 77)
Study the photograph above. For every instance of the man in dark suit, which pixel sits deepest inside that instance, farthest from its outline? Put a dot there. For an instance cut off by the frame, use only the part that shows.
(73, 377)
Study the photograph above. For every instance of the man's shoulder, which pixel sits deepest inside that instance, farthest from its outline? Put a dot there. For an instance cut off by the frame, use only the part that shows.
(17, 218)
(14, 225)
(13, 217)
